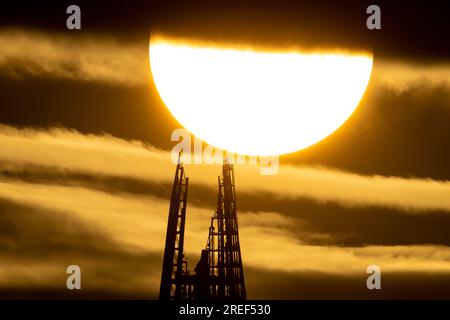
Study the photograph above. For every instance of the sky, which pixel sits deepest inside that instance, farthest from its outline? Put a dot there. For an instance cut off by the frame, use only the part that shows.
(85, 168)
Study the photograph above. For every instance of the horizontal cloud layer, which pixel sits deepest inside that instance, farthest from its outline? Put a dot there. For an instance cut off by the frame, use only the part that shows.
(102, 59)
(71, 57)
(63, 225)
(107, 155)
(117, 236)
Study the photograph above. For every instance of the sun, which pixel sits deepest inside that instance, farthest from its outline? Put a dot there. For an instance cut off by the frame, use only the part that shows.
(257, 102)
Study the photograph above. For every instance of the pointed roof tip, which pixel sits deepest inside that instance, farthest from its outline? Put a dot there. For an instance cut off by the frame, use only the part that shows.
(227, 160)
(180, 154)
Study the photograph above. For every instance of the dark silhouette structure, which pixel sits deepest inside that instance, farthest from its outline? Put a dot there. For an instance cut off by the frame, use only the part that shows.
(174, 265)
(219, 274)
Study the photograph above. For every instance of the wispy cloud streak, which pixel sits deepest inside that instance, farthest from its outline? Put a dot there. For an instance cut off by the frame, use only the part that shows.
(25, 53)
(137, 224)
(98, 58)
(112, 156)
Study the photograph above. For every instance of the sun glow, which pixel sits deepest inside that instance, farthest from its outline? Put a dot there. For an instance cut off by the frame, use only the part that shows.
(257, 103)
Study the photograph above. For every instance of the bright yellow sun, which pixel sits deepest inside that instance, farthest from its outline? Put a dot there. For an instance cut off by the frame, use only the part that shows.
(257, 103)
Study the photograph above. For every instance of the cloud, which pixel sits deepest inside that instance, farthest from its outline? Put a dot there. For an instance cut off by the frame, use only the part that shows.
(321, 223)
(333, 224)
(117, 234)
(107, 155)
(400, 76)
(400, 131)
(318, 285)
(325, 22)
(38, 243)
(33, 53)
(98, 58)
(109, 235)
